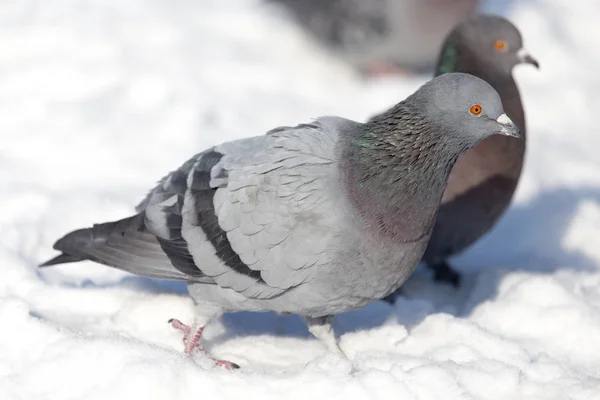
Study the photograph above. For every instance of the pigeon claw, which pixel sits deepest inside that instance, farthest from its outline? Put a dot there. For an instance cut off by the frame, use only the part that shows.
(177, 324)
(191, 341)
(226, 364)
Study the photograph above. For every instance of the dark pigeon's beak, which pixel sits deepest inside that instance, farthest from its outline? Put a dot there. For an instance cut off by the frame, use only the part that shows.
(507, 127)
(525, 58)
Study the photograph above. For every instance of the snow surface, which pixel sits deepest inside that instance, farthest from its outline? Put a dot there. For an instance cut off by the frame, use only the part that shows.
(99, 98)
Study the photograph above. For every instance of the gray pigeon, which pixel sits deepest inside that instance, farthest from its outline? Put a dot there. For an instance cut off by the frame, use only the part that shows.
(315, 220)
(483, 180)
(378, 36)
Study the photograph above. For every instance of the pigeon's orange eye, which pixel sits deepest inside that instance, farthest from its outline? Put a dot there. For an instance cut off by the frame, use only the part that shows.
(476, 109)
(501, 46)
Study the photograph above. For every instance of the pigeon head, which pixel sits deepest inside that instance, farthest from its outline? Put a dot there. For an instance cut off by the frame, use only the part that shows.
(436, 124)
(423, 136)
(485, 41)
(462, 109)
(404, 155)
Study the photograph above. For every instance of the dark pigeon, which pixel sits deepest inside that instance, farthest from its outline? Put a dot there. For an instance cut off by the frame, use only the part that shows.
(483, 181)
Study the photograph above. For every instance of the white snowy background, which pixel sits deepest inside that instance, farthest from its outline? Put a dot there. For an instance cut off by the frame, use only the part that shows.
(99, 98)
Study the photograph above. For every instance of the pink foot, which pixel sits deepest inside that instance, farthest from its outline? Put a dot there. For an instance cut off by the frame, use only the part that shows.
(191, 340)
(225, 364)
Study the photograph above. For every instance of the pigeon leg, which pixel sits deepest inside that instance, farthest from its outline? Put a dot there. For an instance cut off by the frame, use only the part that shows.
(443, 272)
(191, 340)
(321, 329)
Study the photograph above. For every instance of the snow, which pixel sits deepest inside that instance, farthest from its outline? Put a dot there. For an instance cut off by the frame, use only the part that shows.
(99, 99)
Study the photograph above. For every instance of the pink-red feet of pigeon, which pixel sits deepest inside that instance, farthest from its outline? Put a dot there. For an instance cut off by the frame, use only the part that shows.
(191, 340)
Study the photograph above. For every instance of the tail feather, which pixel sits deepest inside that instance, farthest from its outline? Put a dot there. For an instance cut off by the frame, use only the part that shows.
(61, 259)
(125, 244)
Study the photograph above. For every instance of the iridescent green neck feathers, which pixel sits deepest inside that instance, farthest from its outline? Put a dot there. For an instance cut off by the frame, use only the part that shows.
(448, 59)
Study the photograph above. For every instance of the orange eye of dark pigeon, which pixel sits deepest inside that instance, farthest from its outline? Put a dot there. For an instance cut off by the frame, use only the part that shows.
(476, 109)
(501, 45)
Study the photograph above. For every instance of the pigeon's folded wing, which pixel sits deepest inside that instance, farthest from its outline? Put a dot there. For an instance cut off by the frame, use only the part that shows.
(253, 215)
(162, 211)
(277, 208)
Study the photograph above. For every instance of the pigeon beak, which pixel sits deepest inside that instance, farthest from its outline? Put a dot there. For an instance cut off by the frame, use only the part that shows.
(507, 127)
(525, 58)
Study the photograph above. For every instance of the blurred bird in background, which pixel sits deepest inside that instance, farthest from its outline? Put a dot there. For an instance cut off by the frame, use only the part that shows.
(381, 36)
(483, 181)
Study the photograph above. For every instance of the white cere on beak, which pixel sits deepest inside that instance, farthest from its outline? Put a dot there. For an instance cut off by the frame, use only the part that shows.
(504, 120)
(522, 54)
(508, 127)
